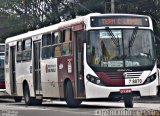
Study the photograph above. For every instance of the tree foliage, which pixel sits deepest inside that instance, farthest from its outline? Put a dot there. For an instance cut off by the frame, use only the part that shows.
(19, 16)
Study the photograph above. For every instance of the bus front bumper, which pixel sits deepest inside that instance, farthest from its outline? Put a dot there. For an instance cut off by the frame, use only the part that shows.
(96, 91)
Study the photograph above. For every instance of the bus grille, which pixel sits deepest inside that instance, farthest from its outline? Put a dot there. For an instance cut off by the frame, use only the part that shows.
(115, 75)
(124, 75)
(132, 74)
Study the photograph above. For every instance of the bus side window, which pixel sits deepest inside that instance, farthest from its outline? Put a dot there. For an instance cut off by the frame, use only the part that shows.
(19, 51)
(2, 48)
(56, 44)
(6, 54)
(67, 43)
(46, 46)
(27, 46)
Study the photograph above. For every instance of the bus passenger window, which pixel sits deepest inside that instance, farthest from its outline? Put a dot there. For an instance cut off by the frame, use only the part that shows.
(68, 35)
(46, 46)
(63, 36)
(2, 48)
(27, 46)
(46, 40)
(19, 51)
(67, 43)
(6, 54)
(65, 49)
(56, 38)
(57, 51)
(53, 39)
(56, 45)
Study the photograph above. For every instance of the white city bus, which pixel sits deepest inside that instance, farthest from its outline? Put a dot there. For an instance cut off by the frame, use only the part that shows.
(96, 56)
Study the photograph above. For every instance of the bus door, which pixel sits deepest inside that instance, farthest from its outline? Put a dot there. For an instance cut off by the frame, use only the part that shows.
(12, 70)
(37, 67)
(78, 33)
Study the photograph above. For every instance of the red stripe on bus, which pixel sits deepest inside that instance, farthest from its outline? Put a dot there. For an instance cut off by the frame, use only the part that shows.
(2, 85)
(111, 79)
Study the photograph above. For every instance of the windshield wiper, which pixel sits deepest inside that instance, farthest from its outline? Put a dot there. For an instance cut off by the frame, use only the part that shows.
(113, 38)
(131, 41)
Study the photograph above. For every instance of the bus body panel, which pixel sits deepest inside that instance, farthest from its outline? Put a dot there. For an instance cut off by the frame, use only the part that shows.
(49, 76)
(7, 83)
(24, 73)
(66, 70)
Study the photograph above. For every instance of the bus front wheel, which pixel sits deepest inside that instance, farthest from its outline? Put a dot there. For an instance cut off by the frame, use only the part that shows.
(69, 96)
(128, 101)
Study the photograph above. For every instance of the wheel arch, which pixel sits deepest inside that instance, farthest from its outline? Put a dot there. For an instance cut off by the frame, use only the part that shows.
(64, 86)
(25, 83)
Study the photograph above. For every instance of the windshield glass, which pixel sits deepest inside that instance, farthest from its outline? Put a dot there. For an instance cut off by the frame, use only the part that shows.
(2, 68)
(120, 48)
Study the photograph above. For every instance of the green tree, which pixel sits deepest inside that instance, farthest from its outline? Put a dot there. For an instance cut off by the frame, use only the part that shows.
(19, 16)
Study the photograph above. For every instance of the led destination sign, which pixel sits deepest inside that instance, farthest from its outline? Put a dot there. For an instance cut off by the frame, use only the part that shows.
(119, 21)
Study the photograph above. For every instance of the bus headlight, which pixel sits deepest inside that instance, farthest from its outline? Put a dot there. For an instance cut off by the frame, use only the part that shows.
(150, 79)
(94, 79)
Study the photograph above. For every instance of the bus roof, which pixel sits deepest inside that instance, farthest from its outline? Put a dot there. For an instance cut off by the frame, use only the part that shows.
(60, 25)
(47, 29)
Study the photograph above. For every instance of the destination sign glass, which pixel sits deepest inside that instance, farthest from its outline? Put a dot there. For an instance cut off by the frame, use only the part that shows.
(119, 21)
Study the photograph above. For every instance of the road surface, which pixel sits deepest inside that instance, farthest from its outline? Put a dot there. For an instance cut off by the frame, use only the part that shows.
(58, 108)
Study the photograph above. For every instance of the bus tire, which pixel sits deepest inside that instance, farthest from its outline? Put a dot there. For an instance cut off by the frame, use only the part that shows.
(128, 101)
(17, 99)
(69, 96)
(37, 102)
(28, 100)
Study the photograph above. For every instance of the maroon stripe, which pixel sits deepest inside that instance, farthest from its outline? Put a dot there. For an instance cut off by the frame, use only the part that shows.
(2, 85)
(111, 79)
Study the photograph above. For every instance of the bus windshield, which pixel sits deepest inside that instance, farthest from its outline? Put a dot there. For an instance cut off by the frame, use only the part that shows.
(2, 68)
(120, 48)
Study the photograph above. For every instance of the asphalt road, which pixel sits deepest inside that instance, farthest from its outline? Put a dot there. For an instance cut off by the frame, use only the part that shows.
(57, 108)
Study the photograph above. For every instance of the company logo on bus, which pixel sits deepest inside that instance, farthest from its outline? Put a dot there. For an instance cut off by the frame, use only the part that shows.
(50, 68)
(124, 70)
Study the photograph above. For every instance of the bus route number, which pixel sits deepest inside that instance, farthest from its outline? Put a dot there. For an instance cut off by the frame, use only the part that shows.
(135, 81)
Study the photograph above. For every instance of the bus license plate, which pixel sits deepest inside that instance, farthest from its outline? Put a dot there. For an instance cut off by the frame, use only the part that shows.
(135, 81)
(125, 91)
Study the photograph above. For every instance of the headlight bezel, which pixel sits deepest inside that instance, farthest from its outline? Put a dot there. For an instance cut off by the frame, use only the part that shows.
(150, 79)
(94, 79)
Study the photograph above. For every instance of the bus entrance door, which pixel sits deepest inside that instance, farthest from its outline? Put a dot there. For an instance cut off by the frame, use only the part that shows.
(13, 70)
(37, 67)
(79, 36)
